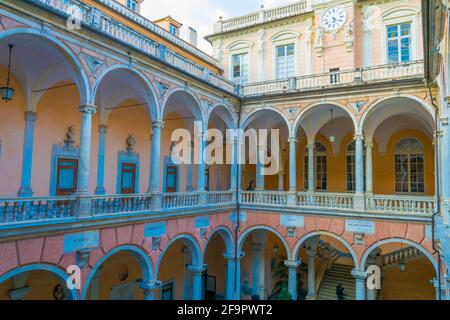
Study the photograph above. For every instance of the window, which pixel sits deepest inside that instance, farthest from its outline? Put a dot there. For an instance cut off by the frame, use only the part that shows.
(167, 291)
(239, 64)
(285, 61)
(207, 179)
(334, 76)
(173, 30)
(409, 167)
(171, 178)
(66, 177)
(128, 178)
(399, 43)
(350, 164)
(320, 164)
(132, 5)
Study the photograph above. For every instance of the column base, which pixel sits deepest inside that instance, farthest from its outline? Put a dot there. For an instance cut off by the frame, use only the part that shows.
(84, 205)
(311, 297)
(25, 192)
(100, 191)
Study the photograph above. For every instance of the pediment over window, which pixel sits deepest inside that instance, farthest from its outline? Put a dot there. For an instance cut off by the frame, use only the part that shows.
(240, 45)
(400, 12)
(285, 35)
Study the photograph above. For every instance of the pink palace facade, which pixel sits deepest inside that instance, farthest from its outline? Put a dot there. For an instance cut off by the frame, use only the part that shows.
(86, 177)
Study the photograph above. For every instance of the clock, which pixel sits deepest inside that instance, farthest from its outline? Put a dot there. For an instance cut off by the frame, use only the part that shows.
(334, 18)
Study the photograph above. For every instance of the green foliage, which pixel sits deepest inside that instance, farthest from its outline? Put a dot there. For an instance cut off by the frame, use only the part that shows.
(281, 274)
(284, 294)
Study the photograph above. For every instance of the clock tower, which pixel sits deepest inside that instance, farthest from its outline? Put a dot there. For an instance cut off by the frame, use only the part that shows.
(334, 34)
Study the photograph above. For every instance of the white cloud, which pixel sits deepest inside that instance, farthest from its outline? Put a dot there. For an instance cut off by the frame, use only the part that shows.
(202, 14)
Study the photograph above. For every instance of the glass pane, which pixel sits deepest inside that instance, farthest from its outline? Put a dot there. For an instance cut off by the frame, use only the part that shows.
(392, 51)
(66, 178)
(290, 49)
(127, 180)
(392, 31)
(405, 29)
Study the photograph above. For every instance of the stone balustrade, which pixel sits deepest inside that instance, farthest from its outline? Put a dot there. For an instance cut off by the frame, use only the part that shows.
(262, 16)
(99, 21)
(401, 71)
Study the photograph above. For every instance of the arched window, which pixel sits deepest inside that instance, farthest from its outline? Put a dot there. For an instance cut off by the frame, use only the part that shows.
(409, 166)
(350, 166)
(320, 163)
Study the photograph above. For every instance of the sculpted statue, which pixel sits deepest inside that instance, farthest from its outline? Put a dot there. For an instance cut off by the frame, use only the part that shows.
(131, 143)
(349, 31)
(319, 38)
(69, 142)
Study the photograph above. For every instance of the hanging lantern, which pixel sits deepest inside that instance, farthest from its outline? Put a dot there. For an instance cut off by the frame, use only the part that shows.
(402, 262)
(7, 93)
(332, 138)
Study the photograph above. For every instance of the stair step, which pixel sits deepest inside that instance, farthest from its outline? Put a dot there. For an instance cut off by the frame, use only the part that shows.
(337, 274)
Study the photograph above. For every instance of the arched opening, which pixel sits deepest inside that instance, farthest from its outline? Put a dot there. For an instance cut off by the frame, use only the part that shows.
(327, 262)
(219, 173)
(127, 107)
(268, 172)
(321, 130)
(182, 111)
(50, 86)
(389, 126)
(408, 271)
(178, 265)
(263, 273)
(219, 282)
(118, 274)
(35, 282)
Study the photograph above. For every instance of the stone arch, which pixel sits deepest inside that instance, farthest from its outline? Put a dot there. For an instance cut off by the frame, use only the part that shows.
(58, 272)
(329, 234)
(248, 231)
(151, 98)
(81, 77)
(194, 105)
(249, 117)
(138, 253)
(226, 236)
(229, 117)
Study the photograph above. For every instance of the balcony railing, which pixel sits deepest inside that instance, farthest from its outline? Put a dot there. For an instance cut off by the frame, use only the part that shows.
(21, 210)
(262, 16)
(105, 24)
(375, 204)
(390, 72)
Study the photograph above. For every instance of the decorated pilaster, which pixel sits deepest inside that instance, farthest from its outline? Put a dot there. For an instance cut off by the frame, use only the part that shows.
(27, 158)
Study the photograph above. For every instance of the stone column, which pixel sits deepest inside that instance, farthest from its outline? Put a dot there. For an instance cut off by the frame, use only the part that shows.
(259, 270)
(149, 289)
(155, 156)
(445, 158)
(360, 286)
(87, 111)
(234, 165)
(311, 171)
(231, 266)
(200, 137)
(311, 274)
(259, 173)
(292, 277)
(292, 165)
(27, 157)
(101, 159)
(197, 288)
(359, 164)
(369, 174)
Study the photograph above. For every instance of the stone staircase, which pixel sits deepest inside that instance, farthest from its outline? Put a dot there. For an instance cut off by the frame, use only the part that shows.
(333, 276)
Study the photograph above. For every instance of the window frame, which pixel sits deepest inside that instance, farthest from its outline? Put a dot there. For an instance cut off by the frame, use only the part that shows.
(134, 5)
(239, 79)
(305, 167)
(66, 192)
(284, 44)
(398, 16)
(409, 154)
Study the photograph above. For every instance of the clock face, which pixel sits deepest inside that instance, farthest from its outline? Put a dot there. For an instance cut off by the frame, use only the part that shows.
(333, 18)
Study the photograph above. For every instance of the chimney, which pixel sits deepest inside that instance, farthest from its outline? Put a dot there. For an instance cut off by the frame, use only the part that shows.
(192, 36)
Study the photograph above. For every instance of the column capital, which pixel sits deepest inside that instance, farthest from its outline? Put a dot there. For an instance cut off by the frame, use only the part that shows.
(358, 137)
(292, 140)
(369, 144)
(87, 108)
(229, 256)
(292, 264)
(359, 275)
(197, 269)
(311, 252)
(311, 145)
(102, 128)
(149, 286)
(30, 116)
(157, 124)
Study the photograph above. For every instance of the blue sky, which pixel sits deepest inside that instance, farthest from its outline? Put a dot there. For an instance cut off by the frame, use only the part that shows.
(202, 14)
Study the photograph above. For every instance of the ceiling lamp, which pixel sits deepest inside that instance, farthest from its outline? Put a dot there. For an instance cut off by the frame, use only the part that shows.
(7, 92)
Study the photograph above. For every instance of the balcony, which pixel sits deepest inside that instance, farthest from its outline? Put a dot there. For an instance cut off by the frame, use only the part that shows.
(377, 74)
(15, 212)
(100, 22)
(262, 16)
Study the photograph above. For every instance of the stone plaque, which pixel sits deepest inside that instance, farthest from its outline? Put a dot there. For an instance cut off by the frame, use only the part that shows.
(360, 226)
(79, 241)
(242, 217)
(202, 222)
(292, 221)
(155, 230)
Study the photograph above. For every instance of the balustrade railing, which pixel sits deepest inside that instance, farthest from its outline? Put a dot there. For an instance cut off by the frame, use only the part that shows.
(409, 70)
(262, 16)
(115, 204)
(401, 204)
(32, 209)
(325, 200)
(266, 197)
(107, 25)
(180, 200)
(220, 197)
